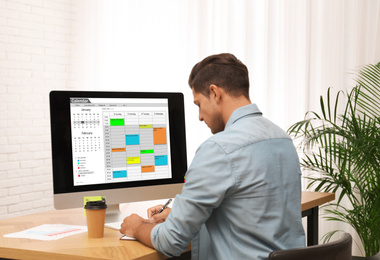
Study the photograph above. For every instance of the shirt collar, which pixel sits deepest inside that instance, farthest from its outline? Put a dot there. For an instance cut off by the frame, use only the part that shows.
(242, 112)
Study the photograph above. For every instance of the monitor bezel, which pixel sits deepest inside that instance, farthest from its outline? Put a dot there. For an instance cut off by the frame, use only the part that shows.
(61, 144)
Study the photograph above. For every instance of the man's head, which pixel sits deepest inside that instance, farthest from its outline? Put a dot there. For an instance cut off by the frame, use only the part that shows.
(220, 85)
(223, 70)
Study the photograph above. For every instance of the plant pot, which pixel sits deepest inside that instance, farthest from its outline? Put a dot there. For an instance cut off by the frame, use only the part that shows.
(375, 257)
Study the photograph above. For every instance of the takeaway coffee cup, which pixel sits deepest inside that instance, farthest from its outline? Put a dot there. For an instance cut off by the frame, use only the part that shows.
(95, 214)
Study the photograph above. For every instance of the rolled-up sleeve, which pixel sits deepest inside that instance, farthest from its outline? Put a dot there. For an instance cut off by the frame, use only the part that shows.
(202, 193)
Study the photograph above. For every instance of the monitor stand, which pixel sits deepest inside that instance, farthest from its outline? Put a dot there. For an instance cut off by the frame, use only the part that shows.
(114, 217)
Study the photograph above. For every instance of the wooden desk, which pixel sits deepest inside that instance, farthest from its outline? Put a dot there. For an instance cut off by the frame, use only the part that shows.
(310, 202)
(73, 247)
(80, 247)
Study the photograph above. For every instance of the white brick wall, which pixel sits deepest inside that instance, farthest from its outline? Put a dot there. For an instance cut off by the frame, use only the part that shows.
(37, 40)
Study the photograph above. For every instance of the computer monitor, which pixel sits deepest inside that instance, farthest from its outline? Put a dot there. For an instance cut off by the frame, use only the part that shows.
(125, 146)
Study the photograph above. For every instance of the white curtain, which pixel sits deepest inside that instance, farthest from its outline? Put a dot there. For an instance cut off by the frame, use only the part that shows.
(294, 49)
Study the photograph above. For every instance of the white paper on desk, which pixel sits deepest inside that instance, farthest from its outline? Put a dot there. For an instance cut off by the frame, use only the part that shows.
(124, 237)
(49, 232)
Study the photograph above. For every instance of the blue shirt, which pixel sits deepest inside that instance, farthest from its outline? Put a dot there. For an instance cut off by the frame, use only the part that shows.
(242, 196)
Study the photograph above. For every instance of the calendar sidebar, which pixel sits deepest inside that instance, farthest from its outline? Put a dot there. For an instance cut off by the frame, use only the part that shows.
(87, 143)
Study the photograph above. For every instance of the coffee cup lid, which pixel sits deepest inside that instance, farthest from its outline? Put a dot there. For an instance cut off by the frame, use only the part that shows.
(99, 204)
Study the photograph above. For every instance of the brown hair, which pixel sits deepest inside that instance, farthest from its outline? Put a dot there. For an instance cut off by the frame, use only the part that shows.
(223, 70)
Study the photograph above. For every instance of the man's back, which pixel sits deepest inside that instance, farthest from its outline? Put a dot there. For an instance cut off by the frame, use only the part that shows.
(264, 206)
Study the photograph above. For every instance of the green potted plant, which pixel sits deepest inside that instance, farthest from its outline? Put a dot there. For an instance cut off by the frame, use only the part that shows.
(342, 155)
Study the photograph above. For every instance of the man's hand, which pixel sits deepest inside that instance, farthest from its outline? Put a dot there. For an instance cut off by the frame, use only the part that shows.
(155, 217)
(131, 225)
(137, 227)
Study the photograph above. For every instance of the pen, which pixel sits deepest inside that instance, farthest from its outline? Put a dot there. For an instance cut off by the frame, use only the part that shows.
(164, 207)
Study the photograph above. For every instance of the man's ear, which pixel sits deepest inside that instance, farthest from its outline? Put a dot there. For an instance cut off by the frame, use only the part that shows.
(215, 92)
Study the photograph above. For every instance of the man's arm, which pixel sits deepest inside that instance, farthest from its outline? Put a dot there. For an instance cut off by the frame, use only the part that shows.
(201, 194)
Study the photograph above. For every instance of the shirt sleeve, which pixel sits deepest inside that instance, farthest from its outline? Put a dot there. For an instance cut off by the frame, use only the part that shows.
(208, 180)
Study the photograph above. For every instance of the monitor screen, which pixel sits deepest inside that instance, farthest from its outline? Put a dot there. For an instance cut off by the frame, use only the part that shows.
(126, 146)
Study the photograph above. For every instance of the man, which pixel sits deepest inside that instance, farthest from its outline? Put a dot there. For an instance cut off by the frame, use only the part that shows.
(242, 196)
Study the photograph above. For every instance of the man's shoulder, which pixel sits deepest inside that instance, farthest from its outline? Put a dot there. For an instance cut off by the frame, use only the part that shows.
(247, 131)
